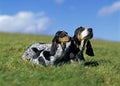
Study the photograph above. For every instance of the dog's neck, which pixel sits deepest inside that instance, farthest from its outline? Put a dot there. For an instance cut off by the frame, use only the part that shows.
(82, 45)
(79, 43)
(76, 41)
(55, 46)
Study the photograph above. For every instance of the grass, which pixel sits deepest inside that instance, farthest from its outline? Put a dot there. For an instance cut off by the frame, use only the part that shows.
(101, 70)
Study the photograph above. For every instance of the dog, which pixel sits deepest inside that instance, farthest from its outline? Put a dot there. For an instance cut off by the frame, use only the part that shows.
(80, 40)
(47, 54)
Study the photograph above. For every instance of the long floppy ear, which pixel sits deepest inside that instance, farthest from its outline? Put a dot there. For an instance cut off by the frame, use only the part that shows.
(89, 49)
(54, 44)
(53, 48)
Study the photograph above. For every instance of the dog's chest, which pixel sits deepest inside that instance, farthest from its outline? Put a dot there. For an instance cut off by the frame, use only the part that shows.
(59, 51)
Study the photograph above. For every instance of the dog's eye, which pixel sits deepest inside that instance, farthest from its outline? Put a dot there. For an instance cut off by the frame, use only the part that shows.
(63, 35)
(66, 34)
(82, 29)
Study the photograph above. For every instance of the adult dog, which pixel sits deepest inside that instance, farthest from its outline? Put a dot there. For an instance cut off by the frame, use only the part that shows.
(80, 40)
(45, 54)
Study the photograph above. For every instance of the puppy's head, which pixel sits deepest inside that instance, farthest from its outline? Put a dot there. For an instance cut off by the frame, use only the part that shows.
(82, 36)
(61, 37)
(83, 33)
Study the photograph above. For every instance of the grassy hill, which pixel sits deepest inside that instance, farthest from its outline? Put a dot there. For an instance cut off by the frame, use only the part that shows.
(101, 70)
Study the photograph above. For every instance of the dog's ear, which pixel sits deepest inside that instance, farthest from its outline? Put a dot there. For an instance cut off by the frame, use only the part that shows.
(53, 48)
(54, 44)
(89, 49)
(56, 38)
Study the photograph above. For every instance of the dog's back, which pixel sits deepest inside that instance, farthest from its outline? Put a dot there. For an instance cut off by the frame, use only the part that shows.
(34, 50)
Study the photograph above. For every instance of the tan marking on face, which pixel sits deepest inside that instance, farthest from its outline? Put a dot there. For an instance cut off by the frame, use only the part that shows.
(64, 39)
(79, 36)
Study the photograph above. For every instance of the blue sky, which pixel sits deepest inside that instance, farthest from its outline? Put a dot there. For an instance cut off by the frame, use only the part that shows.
(49, 16)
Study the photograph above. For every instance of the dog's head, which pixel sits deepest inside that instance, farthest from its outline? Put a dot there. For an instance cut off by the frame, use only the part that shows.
(82, 37)
(83, 33)
(61, 37)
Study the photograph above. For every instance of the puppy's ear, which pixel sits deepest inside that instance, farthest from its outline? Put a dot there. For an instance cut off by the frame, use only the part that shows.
(54, 44)
(89, 49)
(53, 48)
(56, 38)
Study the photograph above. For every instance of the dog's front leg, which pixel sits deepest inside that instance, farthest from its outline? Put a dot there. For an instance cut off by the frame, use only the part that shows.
(52, 60)
(80, 57)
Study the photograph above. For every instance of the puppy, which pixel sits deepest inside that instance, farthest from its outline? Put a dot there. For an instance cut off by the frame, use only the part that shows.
(80, 40)
(45, 54)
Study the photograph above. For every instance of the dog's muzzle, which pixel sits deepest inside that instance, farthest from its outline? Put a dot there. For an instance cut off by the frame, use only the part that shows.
(90, 33)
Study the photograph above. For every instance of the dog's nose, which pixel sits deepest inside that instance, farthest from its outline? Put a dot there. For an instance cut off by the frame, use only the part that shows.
(90, 29)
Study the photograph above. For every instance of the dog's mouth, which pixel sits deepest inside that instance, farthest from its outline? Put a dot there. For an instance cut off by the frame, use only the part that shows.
(88, 34)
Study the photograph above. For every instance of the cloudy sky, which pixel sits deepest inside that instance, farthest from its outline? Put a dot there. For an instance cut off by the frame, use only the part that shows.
(49, 16)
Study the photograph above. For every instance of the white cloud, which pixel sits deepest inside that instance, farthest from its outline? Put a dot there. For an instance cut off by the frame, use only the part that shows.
(24, 22)
(59, 1)
(110, 9)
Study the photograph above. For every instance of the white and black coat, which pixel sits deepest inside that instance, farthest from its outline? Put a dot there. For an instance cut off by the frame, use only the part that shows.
(80, 40)
(48, 54)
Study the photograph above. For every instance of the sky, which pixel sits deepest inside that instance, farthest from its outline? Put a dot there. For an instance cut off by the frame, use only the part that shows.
(49, 16)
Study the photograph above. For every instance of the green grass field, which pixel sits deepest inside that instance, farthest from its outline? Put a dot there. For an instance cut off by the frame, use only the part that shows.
(101, 70)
